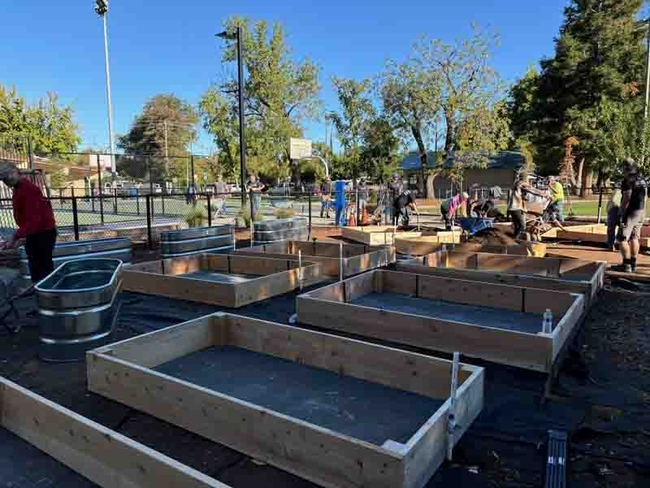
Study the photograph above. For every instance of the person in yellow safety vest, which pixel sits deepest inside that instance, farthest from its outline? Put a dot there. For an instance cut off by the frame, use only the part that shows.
(557, 197)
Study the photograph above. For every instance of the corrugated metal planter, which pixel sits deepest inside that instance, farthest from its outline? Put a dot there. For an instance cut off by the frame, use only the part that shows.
(77, 308)
(198, 240)
(118, 248)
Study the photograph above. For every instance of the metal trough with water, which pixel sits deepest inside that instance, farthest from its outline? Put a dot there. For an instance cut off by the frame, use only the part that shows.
(185, 242)
(77, 308)
(118, 248)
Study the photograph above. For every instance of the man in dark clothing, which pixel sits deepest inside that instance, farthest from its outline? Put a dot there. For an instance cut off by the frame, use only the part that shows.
(634, 193)
(403, 203)
(35, 219)
(396, 189)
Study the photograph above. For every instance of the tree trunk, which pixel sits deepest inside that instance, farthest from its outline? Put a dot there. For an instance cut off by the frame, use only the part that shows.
(581, 167)
(431, 179)
(451, 127)
(422, 149)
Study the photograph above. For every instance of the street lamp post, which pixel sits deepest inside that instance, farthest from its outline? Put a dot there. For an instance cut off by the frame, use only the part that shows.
(101, 8)
(240, 81)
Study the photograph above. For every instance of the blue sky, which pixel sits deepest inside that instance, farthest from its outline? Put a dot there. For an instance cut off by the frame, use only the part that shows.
(169, 46)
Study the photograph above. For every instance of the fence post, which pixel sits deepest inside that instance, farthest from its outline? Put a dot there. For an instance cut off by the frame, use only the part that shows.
(137, 199)
(192, 170)
(100, 190)
(600, 203)
(75, 218)
(162, 201)
(309, 210)
(250, 198)
(209, 210)
(114, 200)
(30, 149)
(149, 236)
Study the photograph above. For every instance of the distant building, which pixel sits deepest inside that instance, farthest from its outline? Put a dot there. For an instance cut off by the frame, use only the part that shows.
(500, 171)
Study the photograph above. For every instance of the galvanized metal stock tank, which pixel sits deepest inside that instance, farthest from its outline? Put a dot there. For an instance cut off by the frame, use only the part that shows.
(117, 248)
(77, 306)
(185, 242)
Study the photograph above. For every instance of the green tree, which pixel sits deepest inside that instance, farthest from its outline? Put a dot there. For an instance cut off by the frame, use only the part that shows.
(49, 125)
(379, 152)
(411, 101)
(471, 105)
(166, 127)
(356, 112)
(281, 94)
(592, 81)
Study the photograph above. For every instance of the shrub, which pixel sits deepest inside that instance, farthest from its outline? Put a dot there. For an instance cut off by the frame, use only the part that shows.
(195, 216)
(284, 213)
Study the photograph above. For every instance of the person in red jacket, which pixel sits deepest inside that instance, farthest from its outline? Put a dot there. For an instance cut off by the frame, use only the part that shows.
(35, 219)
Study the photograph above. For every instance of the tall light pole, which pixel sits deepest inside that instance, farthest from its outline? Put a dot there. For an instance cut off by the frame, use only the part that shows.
(101, 8)
(240, 81)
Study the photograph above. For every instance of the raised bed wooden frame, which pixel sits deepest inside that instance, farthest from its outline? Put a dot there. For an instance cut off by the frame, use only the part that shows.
(277, 276)
(357, 258)
(375, 235)
(426, 243)
(597, 234)
(101, 455)
(123, 372)
(559, 274)
(330, 308)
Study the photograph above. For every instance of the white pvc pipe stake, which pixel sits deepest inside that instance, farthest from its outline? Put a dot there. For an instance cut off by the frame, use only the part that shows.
(451, 419)
(300, 278)
(340, 261)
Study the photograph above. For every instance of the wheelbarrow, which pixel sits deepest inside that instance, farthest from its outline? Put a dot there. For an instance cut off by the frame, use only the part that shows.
(472, 225)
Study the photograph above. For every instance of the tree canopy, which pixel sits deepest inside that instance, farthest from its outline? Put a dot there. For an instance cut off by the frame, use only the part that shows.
(281, 94)
(589, 93)
(50, 126)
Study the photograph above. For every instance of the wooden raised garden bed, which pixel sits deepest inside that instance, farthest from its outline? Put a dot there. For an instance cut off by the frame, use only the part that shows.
(220, 279)
(426, 243)
(356, 258)
(338, 412)
(97, 453)
(560, 274)
(597, 234)
(498, 323)
(375, 235)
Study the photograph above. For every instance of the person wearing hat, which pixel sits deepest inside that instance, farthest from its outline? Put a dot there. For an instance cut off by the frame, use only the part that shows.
(450, 206)
(35, 219)
(634, 191)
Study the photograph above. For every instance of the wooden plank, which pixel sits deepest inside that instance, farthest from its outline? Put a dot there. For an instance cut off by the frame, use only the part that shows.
(258, 265)
(375, 235)
(314, 453)
(358, 286)
(427, 448)
(402, 283)
(519, 349)
(180, 288)
(161, 346)
(567, 324)
(470, 292)
(391, 367)
(538, 301)
(269, 286)
(146, 267)
(183, 265)
(103, 456)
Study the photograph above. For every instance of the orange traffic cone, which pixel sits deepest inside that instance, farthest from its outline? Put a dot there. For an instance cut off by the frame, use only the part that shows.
(352, 221)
